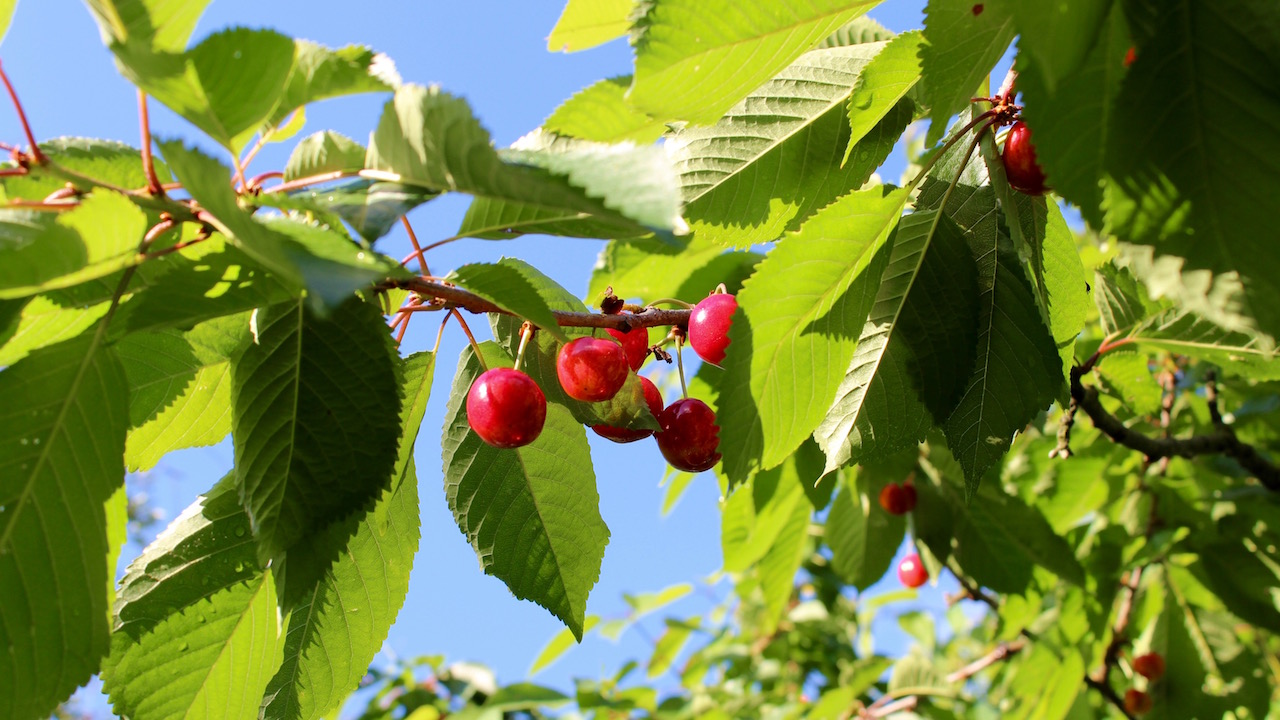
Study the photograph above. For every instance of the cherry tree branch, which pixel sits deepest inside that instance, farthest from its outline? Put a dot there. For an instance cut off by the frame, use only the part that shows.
(1001, 652)
(148, 164)
(452, 296)
(1222, 441)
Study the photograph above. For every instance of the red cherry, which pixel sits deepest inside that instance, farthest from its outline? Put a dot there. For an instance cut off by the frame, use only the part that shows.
(1020, 166)
(977, 10)
(652, 398)
(1149, 666)
(635, 343)
(689, 436)
(898, 499)
(1137, 702)
(709, 326)
(1130, 56)
(506, 408)
(911, 571)
(591, 369)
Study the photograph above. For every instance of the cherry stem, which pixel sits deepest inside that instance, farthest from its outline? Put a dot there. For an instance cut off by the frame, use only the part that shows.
(942, 206)
(148, 164)
(1108, 344)
(924, 171)
(526, 332)
(475, 346)
(413, 238)
(684, 389)
(257, 180)
(22, 117)
(1006, 90)
(404, 327)
(671, 301)
(440, 333)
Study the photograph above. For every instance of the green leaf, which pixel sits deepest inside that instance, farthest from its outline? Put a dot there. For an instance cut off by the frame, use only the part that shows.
(1121, 302)
(756, 513)
(856, 32)
(345, 590)
(924, 318)
(646, 603)
(1178, 331)
(775, 158)
(650, 269)
(1217, 297)
(62, 428)
(1246, 585)
(863, 537)
(1057, 36)
(44, 251)
(800, 316)
(1017, 372)
(885, 81)
(324, 152)
(1072, 120)
(429, 138)
(695, 58)
(295, 394)
(319, 73)
(151, 25)
(106, 161)
(777, 569)
(507, 287)
(600, 112)
(370, 207)
(960, 50)
(216, 653)
(1127, 376)
(587, 23)
(322, 260)
(180, 388)
(668, 647)
(47, 320)
(205, 550)
(1179, 177)
(1046, 686)
(227, 85)
(532, 513)
(558, 645)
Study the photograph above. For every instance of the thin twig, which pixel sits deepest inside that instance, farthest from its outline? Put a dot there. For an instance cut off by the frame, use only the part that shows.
(148, 164)
(1001, 652)
(475, 346)
(413, 238)
(36, 155)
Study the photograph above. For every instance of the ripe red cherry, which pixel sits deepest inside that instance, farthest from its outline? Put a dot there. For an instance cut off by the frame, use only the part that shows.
(506, 408)
(1149, 666)
(689, 436)
(898, 499)
(709, 326)
(1020, 166)
(635, 343)
(591, 369)
(652, 398)
(1130, 56)
(1137, 702)
(911, 571)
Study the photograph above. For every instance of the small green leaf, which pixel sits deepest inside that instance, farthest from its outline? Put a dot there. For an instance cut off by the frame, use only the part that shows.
(147, 25)
(532, 513)
(600, 112)
(587, 23)
(797, 328)
(62, 428)
(319, 73)
(295, 394)
(890, 75)
(1059, 36)
(755, 514)
(507, 287)
(324, 152)
(668, 647)
(46, 251)
(776, 570)
(696, 58)
(650, 269)
(106, 161)
(558, 645)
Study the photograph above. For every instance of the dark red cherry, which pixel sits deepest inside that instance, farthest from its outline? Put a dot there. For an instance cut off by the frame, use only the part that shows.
(911, 571)
(689, 436)
(652, 398)
(591, 369)
(635, 343)
(1130, 56)
(1149, 666)
(898, 499)
(709, 326)
(506, 408)
(1020, 166)
(1137, 702)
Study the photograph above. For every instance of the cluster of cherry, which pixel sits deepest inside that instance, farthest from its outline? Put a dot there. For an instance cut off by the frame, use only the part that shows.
(507, 409)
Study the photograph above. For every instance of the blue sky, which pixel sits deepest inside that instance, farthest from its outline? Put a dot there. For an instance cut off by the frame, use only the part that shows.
(493, 54)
